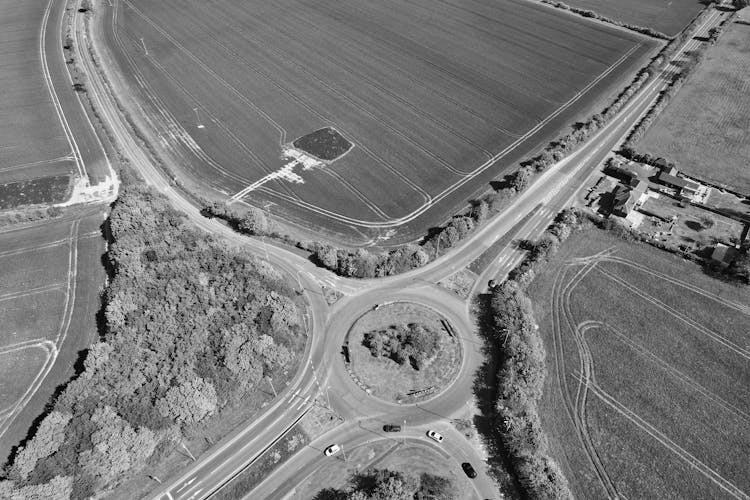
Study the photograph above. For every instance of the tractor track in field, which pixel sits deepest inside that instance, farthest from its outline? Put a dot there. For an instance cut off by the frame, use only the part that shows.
(575, 409)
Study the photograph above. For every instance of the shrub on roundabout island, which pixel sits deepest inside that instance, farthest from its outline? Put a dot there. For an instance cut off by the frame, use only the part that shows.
(413, 342)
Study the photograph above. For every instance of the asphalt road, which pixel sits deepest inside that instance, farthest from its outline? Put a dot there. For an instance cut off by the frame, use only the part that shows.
(323, 365)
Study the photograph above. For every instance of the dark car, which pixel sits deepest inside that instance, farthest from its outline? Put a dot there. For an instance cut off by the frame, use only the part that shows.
(392, 428)
(469, 470)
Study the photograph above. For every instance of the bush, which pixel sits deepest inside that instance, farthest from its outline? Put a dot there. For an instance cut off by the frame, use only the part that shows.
(400, 343)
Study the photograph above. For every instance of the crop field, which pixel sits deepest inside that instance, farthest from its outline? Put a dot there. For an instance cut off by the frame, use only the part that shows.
(32, 140)
(45, 133)
(435, 98)
(48, 301)
(704, 128)
(667, 16)
(647, 393)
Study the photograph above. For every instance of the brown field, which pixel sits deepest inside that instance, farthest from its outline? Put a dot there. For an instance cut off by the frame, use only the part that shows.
(437, 98)
(704, 128)
(646, 395)
(667, 16)
(49, 296)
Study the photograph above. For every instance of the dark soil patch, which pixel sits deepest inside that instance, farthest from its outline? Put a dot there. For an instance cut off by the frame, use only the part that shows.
(326, 144)
(35, 191)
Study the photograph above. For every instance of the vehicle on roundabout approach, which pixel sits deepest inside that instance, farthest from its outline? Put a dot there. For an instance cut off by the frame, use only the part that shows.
(469, 470)
(434, 435)
(332, 450)
(392, 428)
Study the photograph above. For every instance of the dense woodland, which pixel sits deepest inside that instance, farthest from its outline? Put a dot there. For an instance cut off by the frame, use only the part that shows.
(190, 327)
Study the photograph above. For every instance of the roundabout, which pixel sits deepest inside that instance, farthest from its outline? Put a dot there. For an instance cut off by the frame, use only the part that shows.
(353, 403)
(402, 352)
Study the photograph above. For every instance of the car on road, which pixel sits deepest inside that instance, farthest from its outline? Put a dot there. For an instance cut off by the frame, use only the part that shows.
(332, 450)
(434, 435)
(469, 470)
(392, 428)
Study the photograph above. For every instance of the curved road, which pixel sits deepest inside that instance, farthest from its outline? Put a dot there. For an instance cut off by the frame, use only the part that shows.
(323, 365)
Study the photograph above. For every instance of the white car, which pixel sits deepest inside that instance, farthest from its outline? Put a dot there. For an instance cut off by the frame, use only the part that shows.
(434, 435)
(332, 450)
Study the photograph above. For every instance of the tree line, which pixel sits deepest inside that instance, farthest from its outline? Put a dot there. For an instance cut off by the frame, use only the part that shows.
(190, 328)
(521, 373)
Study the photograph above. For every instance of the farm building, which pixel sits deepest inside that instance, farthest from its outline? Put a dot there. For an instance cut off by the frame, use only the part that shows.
(684, 187)
(626, 199)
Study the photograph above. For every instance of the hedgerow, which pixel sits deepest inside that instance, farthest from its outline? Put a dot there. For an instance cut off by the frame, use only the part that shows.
(520, 377)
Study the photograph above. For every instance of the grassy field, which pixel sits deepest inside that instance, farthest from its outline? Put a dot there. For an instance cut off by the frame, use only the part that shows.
(49, 296)
(666, 16)
(391, 381)
(647, 359)
(427, 92)
(704, 128)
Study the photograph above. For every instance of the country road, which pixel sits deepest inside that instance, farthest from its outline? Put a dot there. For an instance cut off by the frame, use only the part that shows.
(323, 364)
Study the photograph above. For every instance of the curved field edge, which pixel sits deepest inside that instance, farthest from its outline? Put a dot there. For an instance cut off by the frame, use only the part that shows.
(622, 322)
(334, 226)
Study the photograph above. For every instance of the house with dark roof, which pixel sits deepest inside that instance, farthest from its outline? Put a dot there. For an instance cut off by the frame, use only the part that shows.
(626, 198)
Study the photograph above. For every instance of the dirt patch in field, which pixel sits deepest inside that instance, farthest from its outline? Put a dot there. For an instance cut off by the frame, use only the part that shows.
(53, 189)
(396, 382)
(326, 144)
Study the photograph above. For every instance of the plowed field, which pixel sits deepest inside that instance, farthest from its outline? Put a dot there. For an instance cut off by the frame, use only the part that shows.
(647, 394)
(438, 98)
